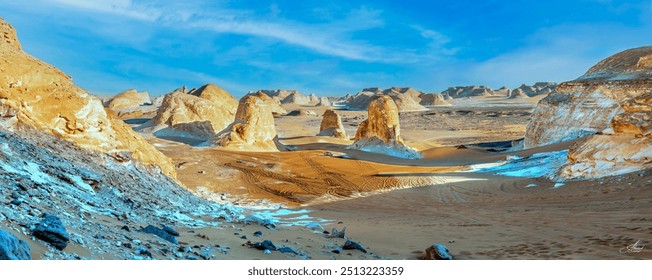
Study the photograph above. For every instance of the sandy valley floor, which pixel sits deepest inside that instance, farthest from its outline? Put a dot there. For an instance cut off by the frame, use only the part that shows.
(477, 215)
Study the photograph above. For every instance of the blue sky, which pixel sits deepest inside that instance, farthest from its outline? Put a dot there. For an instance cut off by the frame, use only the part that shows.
(325, 47)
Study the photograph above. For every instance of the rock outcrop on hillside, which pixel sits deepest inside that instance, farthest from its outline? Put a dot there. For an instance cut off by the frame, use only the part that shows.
(517, 93)
(433, 99)
(381, 131)
(611, 99)
(198, 114)
(253, 128)
(323, 101)
(468, 91)
(36, 94)
(129, 100)
(331, 125)
(539, 88)
(407, 99)
(131, 104)
(296, 98)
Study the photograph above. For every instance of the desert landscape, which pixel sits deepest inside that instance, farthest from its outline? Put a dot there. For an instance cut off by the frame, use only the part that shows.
(542, 171)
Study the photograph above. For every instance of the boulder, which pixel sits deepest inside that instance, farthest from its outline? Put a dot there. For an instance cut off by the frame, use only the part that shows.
(11, 248)
(331, 125)
(52, 231)
(438, 252)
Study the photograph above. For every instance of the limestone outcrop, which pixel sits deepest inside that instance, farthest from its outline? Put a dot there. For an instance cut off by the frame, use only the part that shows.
(38, 95)
(611, 105)
(381, 131)
(253, 128)
(331, 125)
(433, 99)
(198, 114)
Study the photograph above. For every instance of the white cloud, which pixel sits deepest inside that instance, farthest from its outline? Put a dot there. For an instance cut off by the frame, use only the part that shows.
(333, 38)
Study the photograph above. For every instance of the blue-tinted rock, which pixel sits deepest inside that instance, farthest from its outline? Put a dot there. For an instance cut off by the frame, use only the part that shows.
(11, 248)
(352, 245)
(160, 233)
(52, 231)
(438, 252)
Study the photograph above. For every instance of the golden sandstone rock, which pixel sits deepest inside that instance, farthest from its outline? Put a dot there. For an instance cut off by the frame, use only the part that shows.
(253, 128)
(43, 97)
(331, 125)
(381, 132)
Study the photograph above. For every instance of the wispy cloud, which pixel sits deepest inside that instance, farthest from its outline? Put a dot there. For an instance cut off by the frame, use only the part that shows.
(333, 38)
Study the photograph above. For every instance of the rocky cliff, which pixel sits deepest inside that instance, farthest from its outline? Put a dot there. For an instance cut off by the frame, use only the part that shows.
(611, 100)
(38, 95)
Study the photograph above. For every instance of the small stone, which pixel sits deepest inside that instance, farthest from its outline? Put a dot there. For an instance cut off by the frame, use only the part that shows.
(17, 201)
(179, 255)
(51, 230)
(136, 241)
(170, 230)
(314, 226)
(118, 244)
(287, 250)
(126, 228)
(258, 233)
(438, 252)
(267, 251)
(352, 245)
(265, 245)
(160, 233)
(243, 237)
(127, 245)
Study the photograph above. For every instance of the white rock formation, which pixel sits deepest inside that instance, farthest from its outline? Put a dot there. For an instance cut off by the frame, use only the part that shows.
(381, 132)
(331, 125)
(253, 128)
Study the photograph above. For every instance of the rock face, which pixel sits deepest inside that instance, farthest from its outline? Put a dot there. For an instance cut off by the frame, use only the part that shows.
(273, 103)
(612, 99)
(13, 249)
(433, 99)
(198, 114)
(129, 100)
(39, 95)
(253, 128)
(331, 125)
(538, 88)
(381, 132)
